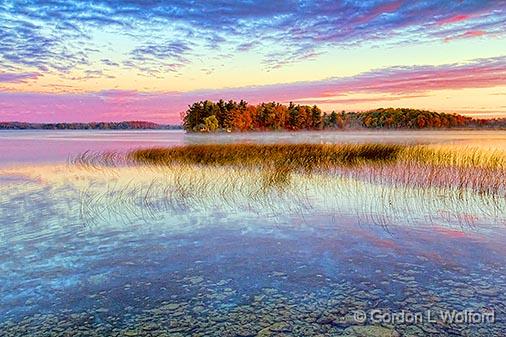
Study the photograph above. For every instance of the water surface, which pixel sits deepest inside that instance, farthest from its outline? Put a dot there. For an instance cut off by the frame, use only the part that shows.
(36, 146)
(213, 252)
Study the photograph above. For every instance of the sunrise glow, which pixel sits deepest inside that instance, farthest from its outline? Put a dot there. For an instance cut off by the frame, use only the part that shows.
(147, 60)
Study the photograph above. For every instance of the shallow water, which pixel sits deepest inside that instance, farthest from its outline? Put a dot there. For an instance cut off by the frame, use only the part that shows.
(215, 252)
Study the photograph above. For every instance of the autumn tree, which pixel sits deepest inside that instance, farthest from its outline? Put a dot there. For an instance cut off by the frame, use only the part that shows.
(211, 123)
(241, 116)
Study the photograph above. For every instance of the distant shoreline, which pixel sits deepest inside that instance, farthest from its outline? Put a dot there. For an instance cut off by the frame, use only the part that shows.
(125, 125)
(49, 127)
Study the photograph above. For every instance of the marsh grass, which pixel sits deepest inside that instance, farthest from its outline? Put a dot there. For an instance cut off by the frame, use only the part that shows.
(480, 170)
(465, 183)
(160, 193)
(316, 156)
(148, 194)
(306, 157)
(441, 155)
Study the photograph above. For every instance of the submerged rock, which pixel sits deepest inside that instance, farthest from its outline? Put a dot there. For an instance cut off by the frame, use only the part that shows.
(275, 329)
(280, 327)
(196, 279)
(413, 331)
(369, 331)
(491, 292)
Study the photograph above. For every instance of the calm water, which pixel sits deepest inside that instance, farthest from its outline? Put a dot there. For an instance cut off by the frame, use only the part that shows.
(57, 146)
(212, 252)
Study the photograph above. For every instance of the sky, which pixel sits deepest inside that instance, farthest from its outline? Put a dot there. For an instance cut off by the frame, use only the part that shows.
(112, 60)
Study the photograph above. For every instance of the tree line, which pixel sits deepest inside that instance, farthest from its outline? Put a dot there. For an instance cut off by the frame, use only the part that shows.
(208, 116)
(127, 125)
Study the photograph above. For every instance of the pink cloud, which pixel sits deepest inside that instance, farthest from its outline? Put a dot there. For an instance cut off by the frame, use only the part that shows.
(453, 19)
(166, 107)
(380, 9)
(359, 100)
(473, 33)
(467, 35)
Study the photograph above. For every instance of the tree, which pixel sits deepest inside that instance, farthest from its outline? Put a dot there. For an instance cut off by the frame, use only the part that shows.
(420, 122)
(231, 115)
(211, 123)
(293, 116)
(316, 117)
(241, 118)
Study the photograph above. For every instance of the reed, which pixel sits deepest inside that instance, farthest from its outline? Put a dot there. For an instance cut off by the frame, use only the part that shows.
(445, 155)
(384, 192)
(288, 156)
(422, 166)
(158, 191)
(476, 169)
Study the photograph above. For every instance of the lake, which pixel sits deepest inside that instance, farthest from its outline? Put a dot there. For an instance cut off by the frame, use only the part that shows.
(128, 251)
(36, 146)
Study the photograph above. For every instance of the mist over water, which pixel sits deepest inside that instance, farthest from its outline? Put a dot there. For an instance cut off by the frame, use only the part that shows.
(57, 146)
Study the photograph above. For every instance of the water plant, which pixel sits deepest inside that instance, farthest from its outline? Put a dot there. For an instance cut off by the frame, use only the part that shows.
(476, 169)
(305, 157)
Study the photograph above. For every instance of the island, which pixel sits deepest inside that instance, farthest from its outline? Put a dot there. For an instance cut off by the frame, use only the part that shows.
(232, 116)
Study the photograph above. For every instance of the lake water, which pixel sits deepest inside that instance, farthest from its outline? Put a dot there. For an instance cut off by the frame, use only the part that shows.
(57, 146)
(127, 251)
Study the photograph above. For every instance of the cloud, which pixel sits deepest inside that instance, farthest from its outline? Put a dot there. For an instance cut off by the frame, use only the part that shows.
(467, 35)
(109, 63)
(17, 77)
(358, 100)
(480, 73)
(392, 83)
(160, 57)
(28, 43)
(453, 19)
(381, 8)
(275, 60)
(58, 35)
